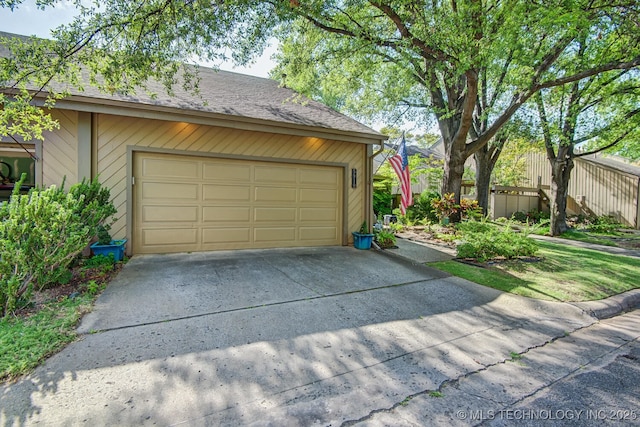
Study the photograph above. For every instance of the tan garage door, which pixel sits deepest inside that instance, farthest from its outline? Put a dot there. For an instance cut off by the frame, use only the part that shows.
(184, 203)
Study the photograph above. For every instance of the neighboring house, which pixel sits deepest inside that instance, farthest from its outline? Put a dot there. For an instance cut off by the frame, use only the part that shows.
(247, 164)
(599, 185)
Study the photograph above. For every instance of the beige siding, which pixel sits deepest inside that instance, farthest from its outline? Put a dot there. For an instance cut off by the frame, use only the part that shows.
(60, 150)
(593, 188)
(116, 133)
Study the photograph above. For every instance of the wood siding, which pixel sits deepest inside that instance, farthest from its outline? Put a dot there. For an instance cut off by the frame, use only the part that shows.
(60, 150)
(593, 188)
(116, 133)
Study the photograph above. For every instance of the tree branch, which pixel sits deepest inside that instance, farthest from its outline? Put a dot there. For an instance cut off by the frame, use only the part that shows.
(588, 73)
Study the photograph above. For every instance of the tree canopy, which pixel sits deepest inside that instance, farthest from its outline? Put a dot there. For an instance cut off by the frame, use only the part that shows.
(470, 64)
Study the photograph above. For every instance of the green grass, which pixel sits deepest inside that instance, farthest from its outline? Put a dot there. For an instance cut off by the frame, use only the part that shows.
(25, 342)
(565, 273)
(583, 236)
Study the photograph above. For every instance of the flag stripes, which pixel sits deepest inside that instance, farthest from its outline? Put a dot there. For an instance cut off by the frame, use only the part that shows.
(400, 164)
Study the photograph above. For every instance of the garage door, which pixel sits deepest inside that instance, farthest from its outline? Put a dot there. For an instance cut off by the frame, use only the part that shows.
(184, 203)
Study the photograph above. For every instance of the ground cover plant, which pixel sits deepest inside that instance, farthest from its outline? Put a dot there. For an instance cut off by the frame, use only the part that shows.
(600, 230)
(560, 273)
(48, 322)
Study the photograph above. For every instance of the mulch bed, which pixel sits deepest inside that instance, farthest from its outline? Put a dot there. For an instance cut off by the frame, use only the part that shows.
(80, 276)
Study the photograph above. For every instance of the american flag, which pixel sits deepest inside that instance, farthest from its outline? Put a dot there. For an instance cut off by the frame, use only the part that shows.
(400, 164)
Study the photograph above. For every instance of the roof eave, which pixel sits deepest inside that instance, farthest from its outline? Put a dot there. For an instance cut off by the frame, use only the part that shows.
(158, 112)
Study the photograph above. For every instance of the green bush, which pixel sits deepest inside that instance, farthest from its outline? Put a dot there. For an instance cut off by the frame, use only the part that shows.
(472, 226)
(385, 239)
(496, 243)
(534, 216)
(41, 234)
(422, 207)
(604, 225)
(382, 200)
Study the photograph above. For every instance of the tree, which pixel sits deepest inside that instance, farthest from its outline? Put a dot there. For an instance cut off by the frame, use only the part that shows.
(407, 59)
(511, 168)
(391, 60)
(601, 111)
(516, 138)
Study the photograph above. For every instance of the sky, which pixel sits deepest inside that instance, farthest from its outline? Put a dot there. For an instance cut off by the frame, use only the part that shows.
(30, 21)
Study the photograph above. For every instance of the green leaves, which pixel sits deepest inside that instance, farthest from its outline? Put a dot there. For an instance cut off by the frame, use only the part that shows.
(42, 232)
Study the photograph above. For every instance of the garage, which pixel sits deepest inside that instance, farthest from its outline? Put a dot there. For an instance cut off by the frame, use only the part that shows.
(245, 163)
(196, 203)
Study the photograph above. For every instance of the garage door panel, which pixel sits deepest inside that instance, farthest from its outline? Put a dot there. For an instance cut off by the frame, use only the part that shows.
(309, 234)
(226, 193)
(325, 177)
(318, 195)
(170, 236)
(163, 213)
(226, 213)
(318, 214)
(274, 214)
(275, 194)
(170, 169)
(226, 235)
(274, 234)
(275, 174)
(174, 191)
(219, 171)
(217, 204)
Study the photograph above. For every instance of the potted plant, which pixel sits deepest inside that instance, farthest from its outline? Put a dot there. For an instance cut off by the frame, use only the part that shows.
(106, 245)
(362, 239)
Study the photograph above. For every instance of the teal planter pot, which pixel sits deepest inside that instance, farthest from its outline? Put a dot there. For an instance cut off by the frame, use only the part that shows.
(116, 248)
(362, 240)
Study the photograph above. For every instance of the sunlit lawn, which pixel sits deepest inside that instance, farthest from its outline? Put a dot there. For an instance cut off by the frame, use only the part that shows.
(564, 273)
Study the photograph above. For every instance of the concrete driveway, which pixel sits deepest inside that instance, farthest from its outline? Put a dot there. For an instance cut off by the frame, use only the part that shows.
(275, 337)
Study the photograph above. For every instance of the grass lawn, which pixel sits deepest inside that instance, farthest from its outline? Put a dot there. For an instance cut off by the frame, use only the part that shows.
(583, 236)
(564, 273)
(25, 342)
(47, 324)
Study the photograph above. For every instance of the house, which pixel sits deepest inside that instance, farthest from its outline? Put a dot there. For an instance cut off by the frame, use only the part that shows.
(245, 164)
(599, 185)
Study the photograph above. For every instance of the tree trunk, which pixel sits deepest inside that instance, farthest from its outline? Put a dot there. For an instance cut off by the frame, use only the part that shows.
(560, 173)
(453, 172)
(484, 169)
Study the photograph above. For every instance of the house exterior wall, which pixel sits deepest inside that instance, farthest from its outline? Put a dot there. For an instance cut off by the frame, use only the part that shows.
(593, 188)
(115, 134)
(60, 151)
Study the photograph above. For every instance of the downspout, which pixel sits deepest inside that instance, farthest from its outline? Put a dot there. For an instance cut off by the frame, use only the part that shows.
(369, 189)
(638, 206)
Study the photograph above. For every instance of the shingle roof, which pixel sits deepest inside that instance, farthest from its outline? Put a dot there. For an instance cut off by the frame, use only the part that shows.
(237, 95)
(612, 163)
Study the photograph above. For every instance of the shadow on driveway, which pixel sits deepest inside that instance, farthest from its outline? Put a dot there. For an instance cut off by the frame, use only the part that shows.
(297, 336)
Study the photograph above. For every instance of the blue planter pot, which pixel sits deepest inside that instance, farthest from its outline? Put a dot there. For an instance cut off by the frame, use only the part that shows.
(116, 248)
(362, 240)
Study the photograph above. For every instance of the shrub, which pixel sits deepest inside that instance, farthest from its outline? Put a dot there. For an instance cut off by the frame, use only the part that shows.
(496, 243)
(467, 227)
(41, 234)
(422, 207)
(385, 239)
(534, 216)
(469, 209)
(445, 206)
(604, 225)
(382, 200)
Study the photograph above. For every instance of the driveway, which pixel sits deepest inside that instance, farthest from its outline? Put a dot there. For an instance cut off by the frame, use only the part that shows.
(275, 337)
